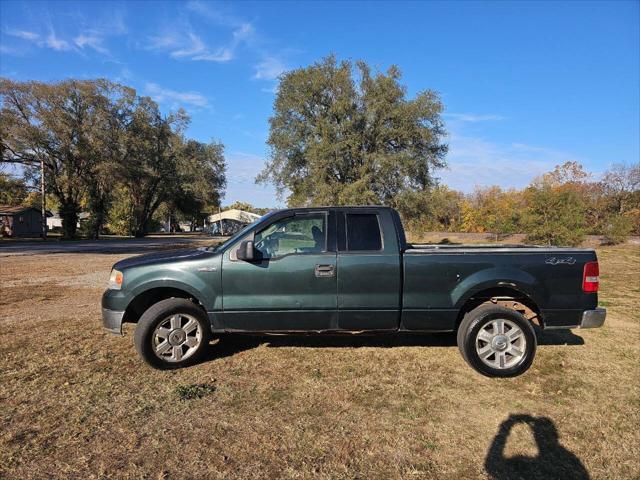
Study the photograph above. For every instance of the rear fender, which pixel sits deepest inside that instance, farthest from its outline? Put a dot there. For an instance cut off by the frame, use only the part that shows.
(514, 279)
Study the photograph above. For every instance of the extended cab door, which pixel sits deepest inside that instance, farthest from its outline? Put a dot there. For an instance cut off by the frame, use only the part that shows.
(369, 270)
(291, 285)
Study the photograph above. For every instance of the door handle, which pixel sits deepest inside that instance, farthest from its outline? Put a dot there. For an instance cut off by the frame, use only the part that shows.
(325, 271)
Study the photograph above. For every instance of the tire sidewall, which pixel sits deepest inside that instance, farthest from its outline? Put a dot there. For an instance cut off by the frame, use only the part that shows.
(478, 321)
(148, 322)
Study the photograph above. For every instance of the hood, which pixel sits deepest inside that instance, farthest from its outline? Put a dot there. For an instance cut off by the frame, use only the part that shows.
(162, 257)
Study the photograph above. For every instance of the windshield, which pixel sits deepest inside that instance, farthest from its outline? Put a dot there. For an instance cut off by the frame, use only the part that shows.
(239, 234)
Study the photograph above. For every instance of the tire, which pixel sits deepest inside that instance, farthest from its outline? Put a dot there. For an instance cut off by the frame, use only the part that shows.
(172, 333)
(497, 341)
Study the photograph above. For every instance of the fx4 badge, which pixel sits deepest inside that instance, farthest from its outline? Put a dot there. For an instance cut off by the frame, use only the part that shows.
(560, 261)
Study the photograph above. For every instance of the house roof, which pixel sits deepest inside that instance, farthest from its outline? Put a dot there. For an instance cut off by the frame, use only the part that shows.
(14, 209)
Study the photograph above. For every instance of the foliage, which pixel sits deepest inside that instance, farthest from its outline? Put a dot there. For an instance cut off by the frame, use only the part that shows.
(437, 208)
(617, 229)
(554, 216)
(13, 191)
(336, 139)
(97, 137)
(492, 210)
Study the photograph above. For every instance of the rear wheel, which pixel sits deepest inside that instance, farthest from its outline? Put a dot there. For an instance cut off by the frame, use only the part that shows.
(172, 333)
(497, 341)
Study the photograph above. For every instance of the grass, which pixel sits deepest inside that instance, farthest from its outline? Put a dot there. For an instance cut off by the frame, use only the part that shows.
(76, 402)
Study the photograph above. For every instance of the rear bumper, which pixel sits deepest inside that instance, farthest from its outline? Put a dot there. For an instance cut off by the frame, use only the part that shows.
(112, 320)
(593, 318)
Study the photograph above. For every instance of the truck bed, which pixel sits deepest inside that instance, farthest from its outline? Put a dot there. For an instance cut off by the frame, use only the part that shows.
(439, 279)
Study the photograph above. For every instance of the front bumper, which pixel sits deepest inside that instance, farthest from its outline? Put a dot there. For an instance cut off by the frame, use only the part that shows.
(593, 318)
(112, 320)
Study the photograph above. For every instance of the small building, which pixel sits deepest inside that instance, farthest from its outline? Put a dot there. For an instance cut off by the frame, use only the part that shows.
(230, 221)
(20, 221)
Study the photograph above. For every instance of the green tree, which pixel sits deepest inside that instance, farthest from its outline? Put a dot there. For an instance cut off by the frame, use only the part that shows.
(64, 125)
(338, 139)
(554, 215)
(13, 191)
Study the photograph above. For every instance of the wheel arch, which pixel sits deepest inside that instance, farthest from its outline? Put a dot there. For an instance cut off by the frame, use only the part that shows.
(507, 296)
(146, 298)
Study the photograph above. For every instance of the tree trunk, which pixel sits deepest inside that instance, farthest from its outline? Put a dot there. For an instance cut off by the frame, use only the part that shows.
(69, 214)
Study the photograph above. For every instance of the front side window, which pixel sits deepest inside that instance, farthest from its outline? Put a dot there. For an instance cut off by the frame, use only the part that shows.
(299, 234)
(363, 232)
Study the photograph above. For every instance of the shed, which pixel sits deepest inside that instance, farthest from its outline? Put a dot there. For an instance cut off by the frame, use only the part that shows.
(17, 221)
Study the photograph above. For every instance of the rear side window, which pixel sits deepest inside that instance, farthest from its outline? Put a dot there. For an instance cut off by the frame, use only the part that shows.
(363, 232)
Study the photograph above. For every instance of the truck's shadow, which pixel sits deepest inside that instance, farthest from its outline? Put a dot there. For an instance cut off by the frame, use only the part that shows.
(230, 344)
(552, 462)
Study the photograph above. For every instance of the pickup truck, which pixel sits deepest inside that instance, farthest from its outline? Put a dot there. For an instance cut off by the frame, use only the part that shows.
(330, 270)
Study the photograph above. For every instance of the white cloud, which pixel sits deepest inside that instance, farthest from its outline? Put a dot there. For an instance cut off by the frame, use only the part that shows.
(91, 41)
(472, 118)
(24, 34)
(474, 161)
(52, 41)
(270, 68)
(175, 98)
(189, 45)
(216, 15)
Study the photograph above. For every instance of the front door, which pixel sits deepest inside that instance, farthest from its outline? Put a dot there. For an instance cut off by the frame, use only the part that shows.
(291, 284)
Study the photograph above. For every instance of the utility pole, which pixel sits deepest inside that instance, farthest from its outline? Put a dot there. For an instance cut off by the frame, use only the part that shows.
(220, 218)
(43, 202)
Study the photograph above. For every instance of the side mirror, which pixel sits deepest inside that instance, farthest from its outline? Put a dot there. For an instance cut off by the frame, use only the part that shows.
(245, 251)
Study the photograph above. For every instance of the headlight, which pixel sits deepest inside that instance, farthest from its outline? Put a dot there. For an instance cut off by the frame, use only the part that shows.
(115, 280)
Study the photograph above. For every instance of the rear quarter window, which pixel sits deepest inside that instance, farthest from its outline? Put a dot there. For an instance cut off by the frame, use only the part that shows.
(363, 232)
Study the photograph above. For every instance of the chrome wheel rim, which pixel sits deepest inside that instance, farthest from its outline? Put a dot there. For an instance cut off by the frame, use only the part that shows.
(501, 344)
(176, 338)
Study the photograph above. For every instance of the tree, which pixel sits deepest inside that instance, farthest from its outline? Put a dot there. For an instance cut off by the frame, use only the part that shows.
(554, 215)
(335, 140)
(13, 191)
(64, 125)
(201, 171)
(491, 209)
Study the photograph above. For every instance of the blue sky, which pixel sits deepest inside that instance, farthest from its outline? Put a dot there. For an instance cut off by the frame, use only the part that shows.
(526, 85)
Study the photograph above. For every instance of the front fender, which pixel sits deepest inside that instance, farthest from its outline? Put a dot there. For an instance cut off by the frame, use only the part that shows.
(186, 281)
(490, 278)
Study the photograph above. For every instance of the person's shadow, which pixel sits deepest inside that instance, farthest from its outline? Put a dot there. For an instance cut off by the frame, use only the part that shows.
(552, 462)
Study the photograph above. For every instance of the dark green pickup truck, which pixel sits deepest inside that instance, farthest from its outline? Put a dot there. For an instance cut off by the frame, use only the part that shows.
(351, 270)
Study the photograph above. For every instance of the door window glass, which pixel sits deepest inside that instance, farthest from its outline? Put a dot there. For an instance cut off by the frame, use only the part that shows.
(363, 232)
(299, 234)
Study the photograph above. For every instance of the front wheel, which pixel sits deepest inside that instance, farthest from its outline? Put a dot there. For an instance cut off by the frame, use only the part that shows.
(173, 333)
(497, 341)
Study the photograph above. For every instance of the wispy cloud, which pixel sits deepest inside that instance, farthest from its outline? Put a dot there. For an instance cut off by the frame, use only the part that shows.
(475, 161)
(270, 68)
(91, 41)
(187, 44)
(472, 117)
(174, 98)
(52, 41)
(23, 34)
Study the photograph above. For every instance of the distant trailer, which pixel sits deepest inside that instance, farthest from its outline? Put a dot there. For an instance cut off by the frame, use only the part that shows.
(230, 221)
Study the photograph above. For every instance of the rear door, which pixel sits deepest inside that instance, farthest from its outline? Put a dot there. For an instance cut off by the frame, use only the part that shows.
(291, 286)
(369, 270)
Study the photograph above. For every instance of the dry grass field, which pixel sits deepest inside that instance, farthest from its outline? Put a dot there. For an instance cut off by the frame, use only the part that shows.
(76, 402)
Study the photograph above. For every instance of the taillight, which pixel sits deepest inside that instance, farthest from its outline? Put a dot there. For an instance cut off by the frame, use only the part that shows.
(590, 277)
